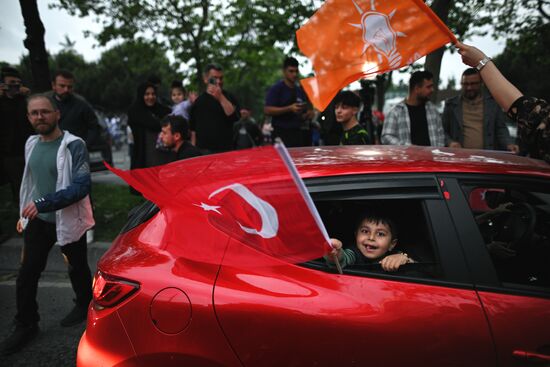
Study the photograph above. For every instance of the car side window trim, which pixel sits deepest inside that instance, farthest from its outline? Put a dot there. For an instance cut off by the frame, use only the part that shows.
(424, 188)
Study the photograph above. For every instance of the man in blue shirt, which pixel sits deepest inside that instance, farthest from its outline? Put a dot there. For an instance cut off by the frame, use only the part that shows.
(286, 104)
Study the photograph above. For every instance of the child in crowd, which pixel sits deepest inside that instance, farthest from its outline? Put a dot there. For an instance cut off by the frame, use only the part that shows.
(180, 107)
(375, 242)
(182, 104)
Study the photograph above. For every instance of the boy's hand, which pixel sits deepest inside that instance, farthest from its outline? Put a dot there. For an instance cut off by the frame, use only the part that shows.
(393, 262)
(336, 247)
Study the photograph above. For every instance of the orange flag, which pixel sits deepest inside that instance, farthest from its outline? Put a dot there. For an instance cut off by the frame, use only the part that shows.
(350, 39)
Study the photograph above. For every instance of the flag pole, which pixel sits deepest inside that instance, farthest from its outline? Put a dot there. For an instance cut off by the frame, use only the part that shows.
(283, 153)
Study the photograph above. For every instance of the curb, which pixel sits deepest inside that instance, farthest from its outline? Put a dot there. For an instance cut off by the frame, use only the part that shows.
(10, 255)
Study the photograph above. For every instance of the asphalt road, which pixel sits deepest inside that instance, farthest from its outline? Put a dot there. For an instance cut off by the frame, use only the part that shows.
(55, 345)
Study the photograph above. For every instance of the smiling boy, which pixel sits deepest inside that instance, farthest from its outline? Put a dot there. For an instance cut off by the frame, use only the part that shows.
(375, 240)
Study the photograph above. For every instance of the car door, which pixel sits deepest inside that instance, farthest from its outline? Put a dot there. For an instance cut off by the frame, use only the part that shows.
(308, 315)
(514, 288)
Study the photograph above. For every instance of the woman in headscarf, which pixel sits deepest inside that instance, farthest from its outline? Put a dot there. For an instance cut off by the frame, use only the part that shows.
(144, 119)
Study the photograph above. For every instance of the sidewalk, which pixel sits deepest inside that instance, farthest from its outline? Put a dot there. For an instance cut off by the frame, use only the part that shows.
(10, 255)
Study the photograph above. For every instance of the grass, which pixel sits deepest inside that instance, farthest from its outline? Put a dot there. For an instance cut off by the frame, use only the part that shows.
(111, 206)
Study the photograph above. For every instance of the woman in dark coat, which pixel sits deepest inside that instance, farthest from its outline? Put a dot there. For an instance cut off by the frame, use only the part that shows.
(144, 119)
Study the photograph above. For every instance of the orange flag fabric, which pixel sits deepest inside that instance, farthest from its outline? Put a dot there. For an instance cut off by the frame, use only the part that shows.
(350, 39)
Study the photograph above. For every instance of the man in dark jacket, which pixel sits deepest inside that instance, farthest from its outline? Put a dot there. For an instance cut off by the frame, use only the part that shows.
(15, 129)
(77, 116)
(473, 120)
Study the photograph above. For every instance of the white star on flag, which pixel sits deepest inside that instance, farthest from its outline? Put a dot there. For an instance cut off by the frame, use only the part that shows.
(208, 208)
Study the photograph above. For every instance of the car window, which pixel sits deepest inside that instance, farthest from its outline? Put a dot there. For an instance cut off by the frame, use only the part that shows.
(414, 237)
(514, 221)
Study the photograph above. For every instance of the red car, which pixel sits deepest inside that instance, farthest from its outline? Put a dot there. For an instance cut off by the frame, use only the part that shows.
(479, 294)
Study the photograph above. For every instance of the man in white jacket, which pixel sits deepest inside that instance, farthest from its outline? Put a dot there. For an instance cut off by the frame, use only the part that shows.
(55, 208)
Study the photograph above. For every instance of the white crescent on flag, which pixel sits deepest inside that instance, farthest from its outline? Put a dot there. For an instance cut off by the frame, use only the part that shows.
(268, 214)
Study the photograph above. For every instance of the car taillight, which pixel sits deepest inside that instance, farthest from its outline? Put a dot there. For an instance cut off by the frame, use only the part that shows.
(109, 291)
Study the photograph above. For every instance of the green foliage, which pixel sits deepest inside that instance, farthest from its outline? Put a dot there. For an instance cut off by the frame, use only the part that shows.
(111, 206)
(526, 60)
(120, 69)
(111, 82)
(247, 37)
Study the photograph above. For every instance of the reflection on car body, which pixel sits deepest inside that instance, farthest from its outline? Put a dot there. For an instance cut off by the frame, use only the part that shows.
(458, 306)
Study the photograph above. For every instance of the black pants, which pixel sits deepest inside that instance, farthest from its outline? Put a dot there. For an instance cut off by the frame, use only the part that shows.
(291, 137)
(39, 238)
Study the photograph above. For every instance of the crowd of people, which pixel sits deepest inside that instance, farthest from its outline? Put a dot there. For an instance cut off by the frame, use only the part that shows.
(45, 159)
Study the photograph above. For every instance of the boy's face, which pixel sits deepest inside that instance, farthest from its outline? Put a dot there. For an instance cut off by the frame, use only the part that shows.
(374, 240)
(345, 113)
(177, 95)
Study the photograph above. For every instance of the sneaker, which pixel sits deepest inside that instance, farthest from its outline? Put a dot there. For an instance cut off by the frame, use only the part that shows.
(21, 336)
(75, 317)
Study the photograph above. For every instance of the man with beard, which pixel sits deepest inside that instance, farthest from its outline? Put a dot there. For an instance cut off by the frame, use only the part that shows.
(213, 114)
(55, 209)
(77, 116)
(473, 120)
(415, 121)
(175, 136)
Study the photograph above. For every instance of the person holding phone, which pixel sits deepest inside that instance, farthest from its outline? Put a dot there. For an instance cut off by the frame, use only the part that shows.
(15, 131)
(213, 114)
(286, 103)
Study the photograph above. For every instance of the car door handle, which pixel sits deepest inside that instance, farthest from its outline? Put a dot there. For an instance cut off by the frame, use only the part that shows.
(530, 356)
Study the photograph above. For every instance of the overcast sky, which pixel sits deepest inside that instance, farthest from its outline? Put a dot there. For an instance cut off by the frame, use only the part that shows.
(59, 23)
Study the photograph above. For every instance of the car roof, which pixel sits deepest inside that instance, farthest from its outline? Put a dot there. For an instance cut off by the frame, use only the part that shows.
(368, 159)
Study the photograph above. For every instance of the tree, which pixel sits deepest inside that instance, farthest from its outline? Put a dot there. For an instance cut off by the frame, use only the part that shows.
(199, 31)
(122, 68)
(466, 18)
(36, 46)
(526, 60)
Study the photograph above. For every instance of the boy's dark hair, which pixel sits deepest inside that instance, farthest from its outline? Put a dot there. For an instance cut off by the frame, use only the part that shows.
(64, 74)
(176, 84)
(290, 61)
(418, 77)
(178, 124)
(9, 71)
(211, 66)
(378, 217)
(470, 71)
(347, 98)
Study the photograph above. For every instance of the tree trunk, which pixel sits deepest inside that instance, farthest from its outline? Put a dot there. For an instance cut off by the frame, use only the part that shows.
(36, 46)
(382, 83)
(433, 60)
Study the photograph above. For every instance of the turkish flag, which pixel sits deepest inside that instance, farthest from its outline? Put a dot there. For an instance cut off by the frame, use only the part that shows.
(253, 196)
(350, 39)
